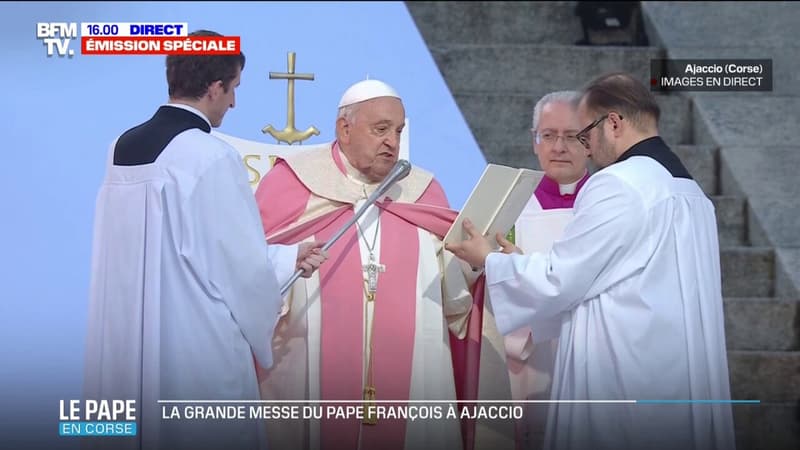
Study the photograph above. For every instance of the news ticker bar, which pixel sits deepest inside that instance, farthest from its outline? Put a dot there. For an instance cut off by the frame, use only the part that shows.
(711, 75)
(355, 409)
(458, 401)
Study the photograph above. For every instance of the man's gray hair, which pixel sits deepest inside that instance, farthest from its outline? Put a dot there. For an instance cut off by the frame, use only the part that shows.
(569, 97)
(348, 112)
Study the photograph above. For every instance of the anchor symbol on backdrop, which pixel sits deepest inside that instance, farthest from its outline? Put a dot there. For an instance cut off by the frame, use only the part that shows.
(290, 134)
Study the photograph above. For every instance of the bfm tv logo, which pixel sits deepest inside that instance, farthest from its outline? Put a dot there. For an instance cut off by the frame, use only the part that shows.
(56, 36)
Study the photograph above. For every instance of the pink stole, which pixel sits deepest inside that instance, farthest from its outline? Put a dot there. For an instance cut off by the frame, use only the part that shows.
(342, 307)
(466, 355)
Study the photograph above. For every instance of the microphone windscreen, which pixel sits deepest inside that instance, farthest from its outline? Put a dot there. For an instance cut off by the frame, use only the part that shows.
(404, 168)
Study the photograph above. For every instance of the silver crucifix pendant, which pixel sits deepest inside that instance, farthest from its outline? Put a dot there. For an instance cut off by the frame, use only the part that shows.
(372, 270)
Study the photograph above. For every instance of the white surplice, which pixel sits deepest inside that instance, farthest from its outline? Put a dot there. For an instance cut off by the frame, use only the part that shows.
(531, 354)
(635, 285)
(184, 292)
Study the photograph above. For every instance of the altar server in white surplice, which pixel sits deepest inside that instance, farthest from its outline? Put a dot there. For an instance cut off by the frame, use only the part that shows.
(184, 288)
(635, 284)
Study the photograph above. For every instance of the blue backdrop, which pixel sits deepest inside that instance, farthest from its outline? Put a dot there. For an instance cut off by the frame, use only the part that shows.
(60, 115)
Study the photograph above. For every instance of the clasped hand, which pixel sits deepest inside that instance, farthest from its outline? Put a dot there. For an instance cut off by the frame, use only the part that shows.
(309, 257)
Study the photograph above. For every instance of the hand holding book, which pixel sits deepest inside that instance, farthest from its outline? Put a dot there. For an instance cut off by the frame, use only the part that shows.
(493, 206)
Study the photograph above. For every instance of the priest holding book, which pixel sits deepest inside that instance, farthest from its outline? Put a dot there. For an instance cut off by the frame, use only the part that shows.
(634, 284)
(374, 322)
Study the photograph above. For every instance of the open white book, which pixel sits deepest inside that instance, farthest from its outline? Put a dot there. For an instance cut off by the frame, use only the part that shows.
(496, 202)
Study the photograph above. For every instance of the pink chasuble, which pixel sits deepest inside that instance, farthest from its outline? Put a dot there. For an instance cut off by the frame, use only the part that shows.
(342, 307)
(466, 354)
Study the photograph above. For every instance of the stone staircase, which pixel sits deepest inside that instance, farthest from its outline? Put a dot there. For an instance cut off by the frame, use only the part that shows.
(498, 58)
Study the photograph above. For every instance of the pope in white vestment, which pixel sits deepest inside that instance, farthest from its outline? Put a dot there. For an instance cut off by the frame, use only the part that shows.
(341, 337)
(184, 288)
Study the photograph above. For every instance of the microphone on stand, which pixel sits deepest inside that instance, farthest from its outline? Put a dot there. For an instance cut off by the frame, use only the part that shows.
(400, 170)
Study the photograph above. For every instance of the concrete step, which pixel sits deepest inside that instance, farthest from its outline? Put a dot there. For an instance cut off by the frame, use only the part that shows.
(767, 426)
(509, 70)
(767, 175)
(506, 119)
(762, 323)
(496, 22)
(689, 24)
(675, 123)
(515, 68)
(498, 119)
(747, 271)
(514, 155)
(738, 31)
(764, 375)
(774, 379)
(701, 162)
(731, 212)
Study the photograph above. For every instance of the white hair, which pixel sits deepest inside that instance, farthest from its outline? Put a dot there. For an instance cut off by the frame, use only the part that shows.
(569, 97)
(348, 112)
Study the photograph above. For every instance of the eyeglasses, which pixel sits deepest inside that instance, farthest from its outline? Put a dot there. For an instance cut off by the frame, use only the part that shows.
(549, 137)
(583, 135)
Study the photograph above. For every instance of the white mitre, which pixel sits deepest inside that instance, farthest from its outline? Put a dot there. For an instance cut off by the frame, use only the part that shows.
(366, 90)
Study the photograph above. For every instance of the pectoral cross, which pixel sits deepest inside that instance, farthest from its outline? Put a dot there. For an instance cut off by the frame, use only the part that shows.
(370, 415)
(372, 269)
